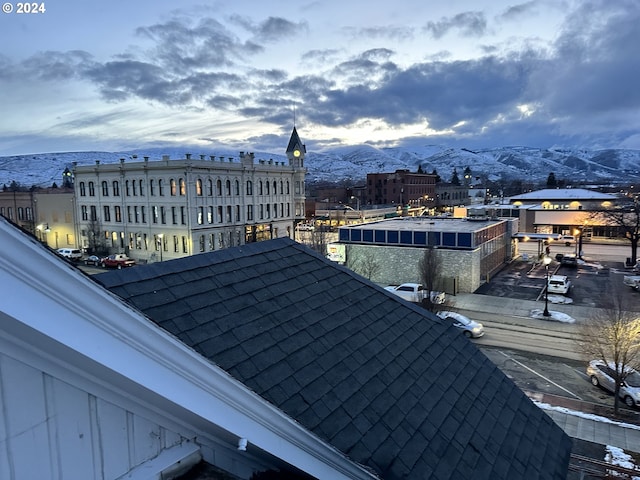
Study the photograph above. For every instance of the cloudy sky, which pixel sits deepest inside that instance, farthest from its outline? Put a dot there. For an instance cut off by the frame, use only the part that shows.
(113, 75)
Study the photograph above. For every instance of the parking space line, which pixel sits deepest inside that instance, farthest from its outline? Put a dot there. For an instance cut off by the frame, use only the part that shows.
(540, 375)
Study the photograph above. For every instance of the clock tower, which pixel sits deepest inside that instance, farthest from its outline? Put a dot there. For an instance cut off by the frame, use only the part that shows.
(295, 153)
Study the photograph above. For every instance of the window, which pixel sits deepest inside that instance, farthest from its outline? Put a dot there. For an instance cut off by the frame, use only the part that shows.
(20, 213)
(92, 189)
(275, 187)
(199, 189)
(173, 187)
(106, 213)
(141, 187)
(160, 188)
(229, 218)
(184, 245)
(183, 187)
(126, 188)
(200, 216)
(94, 213)
(228, 187)
(202, 243)
(174, 218)
(220, 218)
(249, 187)
(210, 215)
(237, 213)
(136, 214)
(163, 215)
(210, 187)
(268, 212)
(219, 187)
(116, 188)
(176, 244)
(275, 210)
(105, 188)
(237, 189)
(260, 188)
(288, 187)
(83, 210)
(83, 191)
(154, 214)
(133, 187)
(266, 185)
(297, 190)
(144, 214)
(281, 188)
(118, 213)
(249, 213)
(183, 217)
(152, 187)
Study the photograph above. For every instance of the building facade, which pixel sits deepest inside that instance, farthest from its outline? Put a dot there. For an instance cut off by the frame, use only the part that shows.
(156, 210)
(47, 213)
(401, 187)
(469, 251)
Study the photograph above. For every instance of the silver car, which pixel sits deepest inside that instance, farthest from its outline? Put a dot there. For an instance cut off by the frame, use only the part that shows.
(602, 375)
(470, 328)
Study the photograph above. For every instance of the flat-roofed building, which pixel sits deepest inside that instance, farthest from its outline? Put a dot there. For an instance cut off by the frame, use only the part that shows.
(156, 210)
(468, 250)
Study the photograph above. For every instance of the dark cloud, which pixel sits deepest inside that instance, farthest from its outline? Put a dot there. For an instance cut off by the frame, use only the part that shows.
(469, 24)
(516, 12)
(54, 65)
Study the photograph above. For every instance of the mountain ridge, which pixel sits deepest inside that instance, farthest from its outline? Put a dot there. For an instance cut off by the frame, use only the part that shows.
(354, 162)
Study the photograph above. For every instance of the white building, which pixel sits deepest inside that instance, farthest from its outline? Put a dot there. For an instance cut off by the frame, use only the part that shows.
(156, 210)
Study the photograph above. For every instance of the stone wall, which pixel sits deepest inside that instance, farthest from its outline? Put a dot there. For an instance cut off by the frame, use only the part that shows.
(387, 265)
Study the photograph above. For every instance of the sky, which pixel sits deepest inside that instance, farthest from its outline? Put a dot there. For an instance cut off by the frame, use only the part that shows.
(117, 75)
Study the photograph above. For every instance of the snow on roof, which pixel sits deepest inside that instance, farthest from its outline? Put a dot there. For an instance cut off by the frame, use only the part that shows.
(563, 194)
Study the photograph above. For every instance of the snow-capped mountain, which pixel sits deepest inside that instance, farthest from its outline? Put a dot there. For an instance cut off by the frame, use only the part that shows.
(353, 163)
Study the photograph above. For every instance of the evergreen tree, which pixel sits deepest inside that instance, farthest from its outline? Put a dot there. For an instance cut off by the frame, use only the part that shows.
(454, 177)
(438, 179)
(551, 180)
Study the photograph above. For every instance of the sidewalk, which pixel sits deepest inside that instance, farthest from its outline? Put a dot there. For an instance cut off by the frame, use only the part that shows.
(582, 420)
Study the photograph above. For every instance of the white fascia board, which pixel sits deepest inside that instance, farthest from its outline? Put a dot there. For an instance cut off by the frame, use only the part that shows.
(56, 299)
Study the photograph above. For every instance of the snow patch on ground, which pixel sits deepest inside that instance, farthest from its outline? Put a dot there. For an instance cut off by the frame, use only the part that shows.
(553, 316)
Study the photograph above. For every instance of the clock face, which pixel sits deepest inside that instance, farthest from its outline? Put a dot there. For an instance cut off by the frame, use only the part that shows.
(296, 153)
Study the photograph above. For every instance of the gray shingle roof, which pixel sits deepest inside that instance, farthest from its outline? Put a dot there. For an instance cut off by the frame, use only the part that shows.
(385, 382)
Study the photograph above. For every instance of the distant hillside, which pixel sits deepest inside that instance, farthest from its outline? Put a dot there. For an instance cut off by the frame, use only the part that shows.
(507, 163)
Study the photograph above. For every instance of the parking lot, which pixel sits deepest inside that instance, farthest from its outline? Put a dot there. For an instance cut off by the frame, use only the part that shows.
(592, 282)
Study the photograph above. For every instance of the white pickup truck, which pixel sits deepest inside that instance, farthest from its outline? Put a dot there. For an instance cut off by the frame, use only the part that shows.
(415, 292)
(632, 281)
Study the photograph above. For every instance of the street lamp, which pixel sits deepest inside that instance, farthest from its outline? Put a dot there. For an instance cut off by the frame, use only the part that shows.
(160, 237)
(546, 260)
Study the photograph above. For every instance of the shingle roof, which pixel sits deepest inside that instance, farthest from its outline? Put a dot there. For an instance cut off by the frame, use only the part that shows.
(387, 383)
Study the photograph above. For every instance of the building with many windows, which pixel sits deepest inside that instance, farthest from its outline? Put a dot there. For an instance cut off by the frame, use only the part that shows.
(155, 210)
(401, 187)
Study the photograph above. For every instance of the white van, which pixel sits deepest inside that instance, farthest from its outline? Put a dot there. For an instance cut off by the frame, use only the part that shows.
(70, 253)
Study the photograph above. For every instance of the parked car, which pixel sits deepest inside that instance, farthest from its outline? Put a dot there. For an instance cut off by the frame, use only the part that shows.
(559, 284)
(92, 260)
(569, 261)
(415, 292)
(305, 227)
(117, 260)
(602, 375)
(70, 253)
(568, 239)
(470, 328)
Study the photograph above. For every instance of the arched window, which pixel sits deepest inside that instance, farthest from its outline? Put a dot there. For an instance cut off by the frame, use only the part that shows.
(83, 191)
(199, 187)
(210, 187)
(219, 188)
(133, 187)
(260, 188)
(116, 188)
(281, 188)
(275, 187)
(266, 185)
(173, 185)
(92, 189)
(237, 187)
(105, 188)
(152, 187)
(183, 187)
(141, 187)
(288, 187)
(228, 187)
(126, 188)
(249, 187)
(160, 187)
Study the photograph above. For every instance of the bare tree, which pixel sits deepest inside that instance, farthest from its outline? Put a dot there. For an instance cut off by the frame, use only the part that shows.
(364, 263)
(626, 218)
(430, 273)
(612, 335)
(96, 243)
